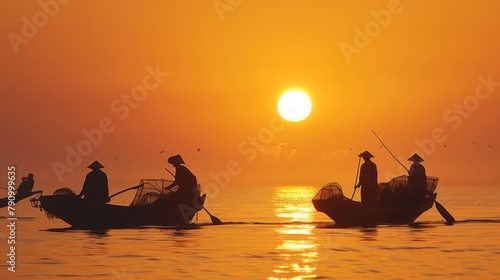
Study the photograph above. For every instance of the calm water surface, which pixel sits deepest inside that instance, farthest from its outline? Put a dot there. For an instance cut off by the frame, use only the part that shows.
(269, 233)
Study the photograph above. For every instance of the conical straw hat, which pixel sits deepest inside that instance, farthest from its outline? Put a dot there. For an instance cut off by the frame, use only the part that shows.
(177, 159)
(416, 158)
(95, 165)
(365, 154)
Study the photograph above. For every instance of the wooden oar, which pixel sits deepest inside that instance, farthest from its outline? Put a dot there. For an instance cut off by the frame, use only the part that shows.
(444, 213)
(131, 188)
(215, 220)
(356, 180)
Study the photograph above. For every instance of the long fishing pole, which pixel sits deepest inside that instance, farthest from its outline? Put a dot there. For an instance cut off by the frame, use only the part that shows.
(389, 150)
(444, 213)
(356, 180)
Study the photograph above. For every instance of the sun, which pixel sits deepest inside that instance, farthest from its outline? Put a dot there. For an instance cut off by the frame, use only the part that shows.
(294, 105)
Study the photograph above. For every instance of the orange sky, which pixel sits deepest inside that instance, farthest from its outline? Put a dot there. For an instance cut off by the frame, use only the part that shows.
(414, 70)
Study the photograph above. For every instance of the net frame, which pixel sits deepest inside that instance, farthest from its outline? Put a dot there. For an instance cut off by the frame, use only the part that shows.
(330, 190)
(400, 184)
(151, 190)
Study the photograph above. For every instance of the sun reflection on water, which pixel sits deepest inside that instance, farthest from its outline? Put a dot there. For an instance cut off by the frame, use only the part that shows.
(298, 250)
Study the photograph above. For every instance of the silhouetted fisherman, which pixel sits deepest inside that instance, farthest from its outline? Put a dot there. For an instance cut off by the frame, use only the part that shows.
(95, 188)
(184, 179)
(417, 179)
(368, 179)
(26, 187)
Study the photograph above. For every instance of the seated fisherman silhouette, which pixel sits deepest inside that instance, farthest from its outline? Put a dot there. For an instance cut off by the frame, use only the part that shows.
(95, 188)
(184, 179)
(417, 179)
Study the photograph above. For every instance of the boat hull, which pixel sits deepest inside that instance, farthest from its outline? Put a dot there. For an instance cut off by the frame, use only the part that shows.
(82, 215)
(345, 212)
(4, 202)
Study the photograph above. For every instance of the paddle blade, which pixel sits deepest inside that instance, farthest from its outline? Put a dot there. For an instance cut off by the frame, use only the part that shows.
(446, 215)
(215, 220)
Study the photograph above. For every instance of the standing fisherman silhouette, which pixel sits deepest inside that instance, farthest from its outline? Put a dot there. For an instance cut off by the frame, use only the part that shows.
(95, 188)
(368, 179)
(184, 179)
(417, 179)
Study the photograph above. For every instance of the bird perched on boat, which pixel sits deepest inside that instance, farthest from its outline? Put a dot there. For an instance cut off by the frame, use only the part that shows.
(26, 186)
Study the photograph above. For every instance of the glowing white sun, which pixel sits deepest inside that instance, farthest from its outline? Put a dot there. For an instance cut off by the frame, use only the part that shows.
(294, 105)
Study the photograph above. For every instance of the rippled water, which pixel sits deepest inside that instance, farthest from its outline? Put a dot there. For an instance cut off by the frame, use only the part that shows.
(269, 233)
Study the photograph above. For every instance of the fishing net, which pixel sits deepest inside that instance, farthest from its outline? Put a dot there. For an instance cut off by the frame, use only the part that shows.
(398, 187)
(400, 183)
(61, 191)
(330, 190)
(151, 190)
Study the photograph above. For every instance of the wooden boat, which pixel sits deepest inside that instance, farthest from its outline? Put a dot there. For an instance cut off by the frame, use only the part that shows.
(149, 208)
(4, 202)
(388, 210)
